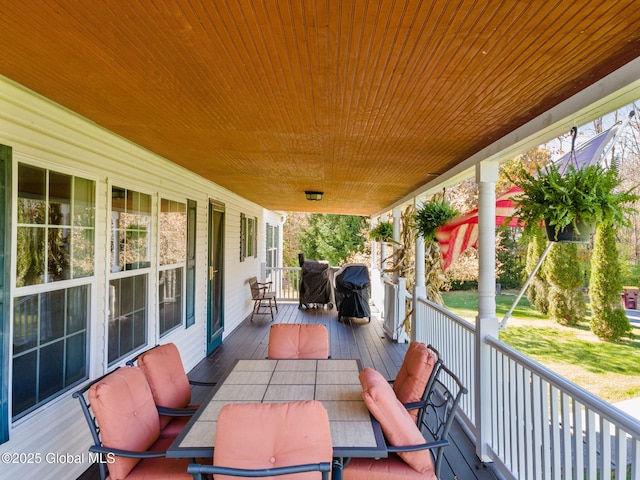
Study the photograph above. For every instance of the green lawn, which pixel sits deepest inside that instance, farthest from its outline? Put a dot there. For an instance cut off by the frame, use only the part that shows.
(610, 370)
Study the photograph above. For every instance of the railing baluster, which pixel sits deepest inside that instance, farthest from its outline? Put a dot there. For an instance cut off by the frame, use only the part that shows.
(621, 453)
(536, 399)
(591, 439)
(565, 410)
(605, 449)
(578, 444)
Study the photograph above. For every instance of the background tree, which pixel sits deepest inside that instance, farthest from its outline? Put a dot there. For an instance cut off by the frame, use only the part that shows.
(292, 229)
(334, 238)
(608, 320)
(510, 255)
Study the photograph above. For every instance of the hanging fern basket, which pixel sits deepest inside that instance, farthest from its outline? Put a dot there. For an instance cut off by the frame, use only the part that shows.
(570, 234)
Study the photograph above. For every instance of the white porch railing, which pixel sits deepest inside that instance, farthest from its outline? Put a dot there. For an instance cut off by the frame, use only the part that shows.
(286, 281)
(454, 338)
(543, 426)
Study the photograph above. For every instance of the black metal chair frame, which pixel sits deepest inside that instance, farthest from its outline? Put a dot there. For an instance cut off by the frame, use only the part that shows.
(198, 470)
(422, 403)
(438, 411)
(97, 446)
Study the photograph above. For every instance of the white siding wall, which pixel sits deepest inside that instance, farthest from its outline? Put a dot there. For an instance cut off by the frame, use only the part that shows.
(45, 134)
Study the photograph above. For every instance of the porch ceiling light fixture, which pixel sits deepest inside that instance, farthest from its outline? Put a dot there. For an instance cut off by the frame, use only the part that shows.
(313, 196)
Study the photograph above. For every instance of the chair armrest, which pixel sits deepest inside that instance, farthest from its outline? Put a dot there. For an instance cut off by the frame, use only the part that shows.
(196, 468)
(176, 412)
(414, 405)
(198, 383)
(127, 453)
(415, 448)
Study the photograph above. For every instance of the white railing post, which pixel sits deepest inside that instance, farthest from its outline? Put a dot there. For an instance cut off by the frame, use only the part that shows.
(401, 310)
(374, 245)
(486, 321)
(419, 286)
(396, 236)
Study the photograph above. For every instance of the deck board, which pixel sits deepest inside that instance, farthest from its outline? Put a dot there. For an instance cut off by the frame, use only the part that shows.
(357, 339)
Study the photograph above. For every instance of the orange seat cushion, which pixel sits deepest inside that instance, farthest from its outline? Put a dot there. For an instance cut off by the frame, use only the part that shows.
(270, 435)
(298, 341)
(384, 469)
(414, 374)
(397, 424)
(161, 468)
(126, 414)
(174, 427)
(167, 378)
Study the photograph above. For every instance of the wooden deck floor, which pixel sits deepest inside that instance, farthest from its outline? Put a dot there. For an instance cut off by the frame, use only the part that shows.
(359, 339)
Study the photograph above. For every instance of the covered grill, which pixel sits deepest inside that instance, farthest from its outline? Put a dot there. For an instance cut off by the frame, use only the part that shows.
(352, 291)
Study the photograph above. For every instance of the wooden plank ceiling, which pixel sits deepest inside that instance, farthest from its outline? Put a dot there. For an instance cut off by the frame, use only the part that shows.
(365, 100)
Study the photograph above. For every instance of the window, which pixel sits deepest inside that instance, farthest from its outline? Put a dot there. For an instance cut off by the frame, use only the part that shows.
(173, 252)
(55, 263)
(56, 215)
(273, 239)
(130, 252)
(248, 237)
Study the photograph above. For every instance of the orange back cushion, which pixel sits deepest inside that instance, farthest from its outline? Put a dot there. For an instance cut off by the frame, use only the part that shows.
(298, 341)
(398, 426)
(126, 414)
(414, 373)
(270, 435)
(166, 376)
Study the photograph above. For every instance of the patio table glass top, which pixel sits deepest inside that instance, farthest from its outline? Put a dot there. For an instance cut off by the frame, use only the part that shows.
(354, 432)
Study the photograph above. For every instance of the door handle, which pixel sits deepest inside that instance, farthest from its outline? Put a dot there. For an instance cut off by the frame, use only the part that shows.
(212, 273)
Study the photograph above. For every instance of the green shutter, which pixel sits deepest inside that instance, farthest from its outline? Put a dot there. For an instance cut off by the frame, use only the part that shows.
(5, 279)
(192, 208)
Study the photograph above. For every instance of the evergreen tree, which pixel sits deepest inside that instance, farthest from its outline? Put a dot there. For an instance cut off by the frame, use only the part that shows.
(608, 320)
(333, 237)
(562, 271)
(538, 291)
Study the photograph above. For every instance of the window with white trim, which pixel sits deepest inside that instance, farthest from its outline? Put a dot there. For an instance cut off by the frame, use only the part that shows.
(55, 264)
(171, 272)
(131, 236)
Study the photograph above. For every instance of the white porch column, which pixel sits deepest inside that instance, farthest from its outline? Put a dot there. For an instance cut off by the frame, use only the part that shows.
(396, 236)
(486, 321)
(419, 287)
(374, 246)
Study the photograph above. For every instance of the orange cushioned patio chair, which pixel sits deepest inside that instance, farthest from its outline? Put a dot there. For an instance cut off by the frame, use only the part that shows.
(262, 297)
(295, 340)
(413, 452)
(170, 386)
(269, 439)
(125, 426)
(416, 376)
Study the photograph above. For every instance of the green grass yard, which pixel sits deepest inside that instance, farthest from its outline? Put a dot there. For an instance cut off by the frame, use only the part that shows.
(610, 370)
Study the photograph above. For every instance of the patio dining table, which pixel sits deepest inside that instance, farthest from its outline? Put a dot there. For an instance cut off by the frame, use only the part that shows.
(334, 382)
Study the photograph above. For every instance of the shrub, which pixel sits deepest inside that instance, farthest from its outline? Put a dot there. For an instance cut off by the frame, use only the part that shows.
(608, 321)
(538, 291)
(562, 271)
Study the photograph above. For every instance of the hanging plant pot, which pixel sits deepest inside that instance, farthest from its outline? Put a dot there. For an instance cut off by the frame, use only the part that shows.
(569, 234)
